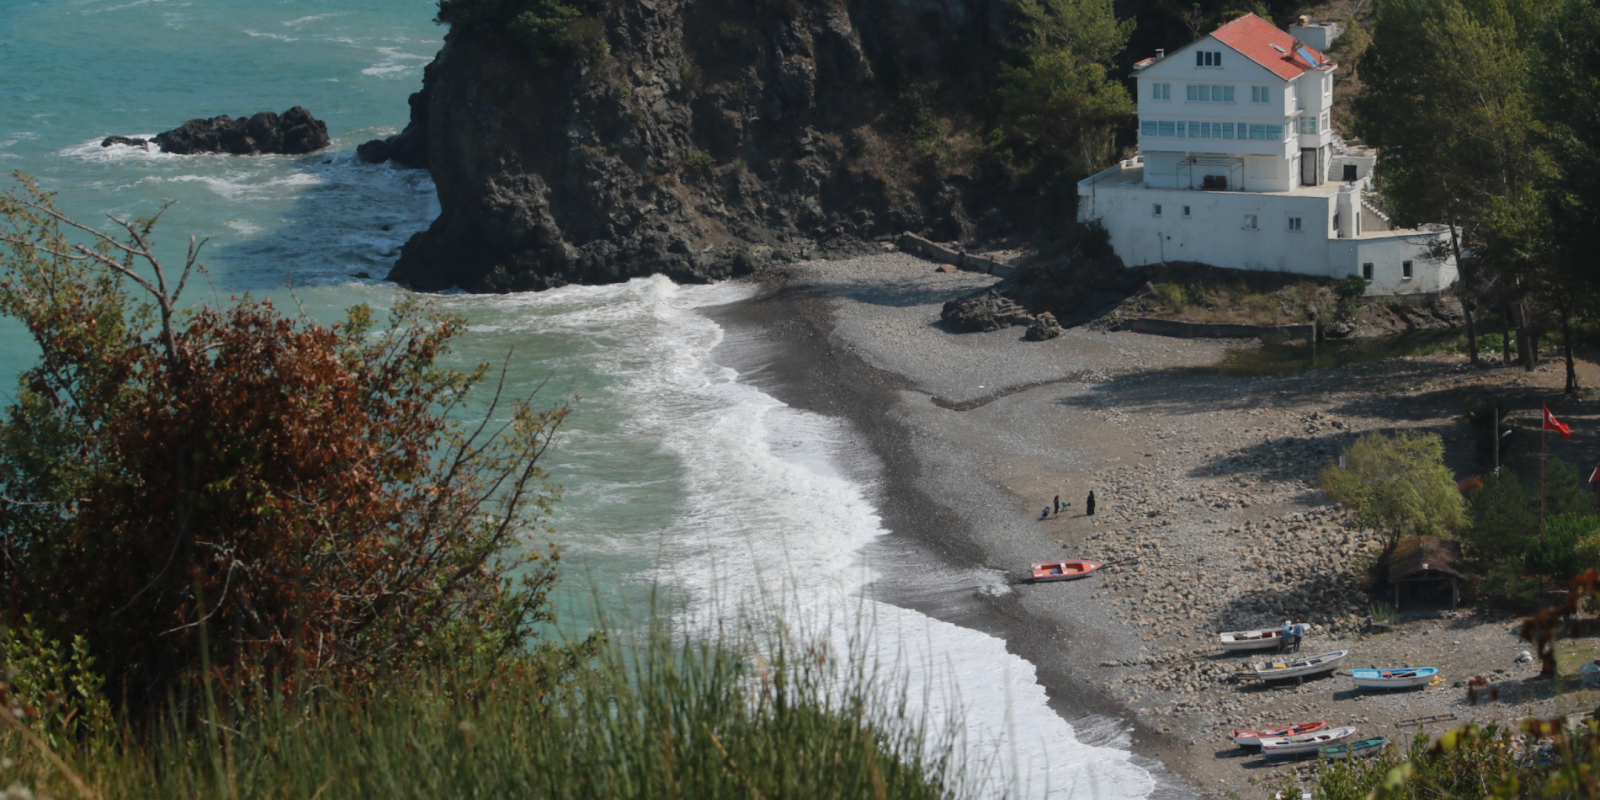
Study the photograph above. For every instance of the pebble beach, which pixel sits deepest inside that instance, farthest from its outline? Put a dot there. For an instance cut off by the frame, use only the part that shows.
(1208, 509)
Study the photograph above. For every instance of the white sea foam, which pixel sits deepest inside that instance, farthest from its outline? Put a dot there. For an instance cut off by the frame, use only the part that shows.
(278, 36)
(396, 61)
(91, 151)
(768, 520)
(242, 184)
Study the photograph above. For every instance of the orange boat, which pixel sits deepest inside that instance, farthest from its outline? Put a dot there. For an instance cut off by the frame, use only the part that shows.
(1065, 570)
(1253, 738)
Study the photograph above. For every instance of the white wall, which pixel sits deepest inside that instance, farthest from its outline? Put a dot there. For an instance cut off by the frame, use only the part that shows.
(1213, 233)
(1387, 254)
(1179, 71)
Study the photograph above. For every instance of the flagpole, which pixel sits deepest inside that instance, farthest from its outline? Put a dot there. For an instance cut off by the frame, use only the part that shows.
(1542, 430)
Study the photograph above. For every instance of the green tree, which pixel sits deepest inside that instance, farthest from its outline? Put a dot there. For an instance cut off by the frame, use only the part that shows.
(1565, 88)
(1058, 109)
(276, 497)
(1398, 485)
(1446, 104)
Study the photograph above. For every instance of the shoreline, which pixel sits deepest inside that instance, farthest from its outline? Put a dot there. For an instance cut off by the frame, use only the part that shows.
(784, 341)
(1211, 480)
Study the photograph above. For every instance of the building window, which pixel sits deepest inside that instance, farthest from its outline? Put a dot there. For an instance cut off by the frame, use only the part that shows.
(1405, 270)
(1325, 120)
(1261, 94)
(1308, 124)
(1366, 270)
(1250, 222)
(1160, 91)
(1158, 209)
(1166, 129)
(1208, 58)
(1295, 224)
(1198, 93)
(1186, 211)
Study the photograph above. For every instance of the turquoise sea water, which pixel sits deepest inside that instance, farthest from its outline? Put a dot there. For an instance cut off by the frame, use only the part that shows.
(682, 483)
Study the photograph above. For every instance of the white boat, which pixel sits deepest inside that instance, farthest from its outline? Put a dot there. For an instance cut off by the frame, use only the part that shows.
(1299, 668)
(1252, 640)
(1305, 742)
(1404, 678)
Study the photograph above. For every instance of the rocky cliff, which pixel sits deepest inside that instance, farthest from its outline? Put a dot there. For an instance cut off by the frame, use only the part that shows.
(696, 138)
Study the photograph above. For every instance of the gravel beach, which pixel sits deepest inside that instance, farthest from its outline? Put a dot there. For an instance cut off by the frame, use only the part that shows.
(1207, 506)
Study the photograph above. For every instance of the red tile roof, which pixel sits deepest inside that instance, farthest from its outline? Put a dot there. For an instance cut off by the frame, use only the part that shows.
(1254, 37)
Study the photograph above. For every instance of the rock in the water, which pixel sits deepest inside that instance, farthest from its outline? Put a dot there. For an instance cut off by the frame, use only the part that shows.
(296, 132)
(1043, 327)
(989, 311)
(127, 140)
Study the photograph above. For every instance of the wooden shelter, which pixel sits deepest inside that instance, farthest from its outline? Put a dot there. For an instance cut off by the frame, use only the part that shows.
(1426, 560)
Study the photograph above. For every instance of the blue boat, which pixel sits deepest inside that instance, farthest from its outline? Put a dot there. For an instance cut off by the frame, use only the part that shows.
(1396, 678)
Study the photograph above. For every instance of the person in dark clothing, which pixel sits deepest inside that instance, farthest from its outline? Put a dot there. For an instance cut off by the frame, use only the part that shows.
(1088, 505)
(1057, 505)
(1045, 514)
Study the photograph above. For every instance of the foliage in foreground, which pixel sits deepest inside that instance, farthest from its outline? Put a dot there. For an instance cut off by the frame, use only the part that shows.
(247, 490)
(1398, 485)
(674, 721)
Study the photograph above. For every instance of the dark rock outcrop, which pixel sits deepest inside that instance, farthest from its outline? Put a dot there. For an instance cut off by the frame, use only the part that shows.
(986, 311)
(130, 141)
(703, 139)
(296, 132)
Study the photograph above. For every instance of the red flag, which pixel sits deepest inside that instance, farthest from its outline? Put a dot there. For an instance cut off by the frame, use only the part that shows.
(1595, 476)
(1553, 424)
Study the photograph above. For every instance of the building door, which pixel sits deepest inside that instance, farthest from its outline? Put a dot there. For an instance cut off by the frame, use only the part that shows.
(1349, 173)
(1308, 167)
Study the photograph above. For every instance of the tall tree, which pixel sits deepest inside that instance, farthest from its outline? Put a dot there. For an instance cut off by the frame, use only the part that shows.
(1058, 110)
(1445, 104)
(1564, 79)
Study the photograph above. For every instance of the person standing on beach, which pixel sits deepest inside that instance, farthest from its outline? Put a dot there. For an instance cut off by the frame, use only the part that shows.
(1088, 505)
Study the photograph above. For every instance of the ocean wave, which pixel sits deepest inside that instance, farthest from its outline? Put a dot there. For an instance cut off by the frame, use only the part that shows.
(764, 518)
(278, 36)
(396, 61)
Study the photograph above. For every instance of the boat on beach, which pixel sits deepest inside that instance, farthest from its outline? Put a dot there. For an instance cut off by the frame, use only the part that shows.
(1278, 670)
(1305, 742)
(1249, 738)
(1403, 678)
(1251, 640)
(1069, 569)
(1360, 748)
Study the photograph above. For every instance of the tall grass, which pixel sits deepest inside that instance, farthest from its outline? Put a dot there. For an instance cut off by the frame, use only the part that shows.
(734, 718)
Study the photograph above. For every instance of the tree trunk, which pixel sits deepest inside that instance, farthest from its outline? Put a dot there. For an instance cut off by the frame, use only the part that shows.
(1466, 300)
(1505, 334)
(1566, 346)
(1525, 337)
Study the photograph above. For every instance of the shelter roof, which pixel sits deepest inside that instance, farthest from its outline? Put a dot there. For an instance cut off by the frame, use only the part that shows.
(1414, 557)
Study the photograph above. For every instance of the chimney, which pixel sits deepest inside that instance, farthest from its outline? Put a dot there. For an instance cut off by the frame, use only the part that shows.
(1304, 20)
(1160, 54)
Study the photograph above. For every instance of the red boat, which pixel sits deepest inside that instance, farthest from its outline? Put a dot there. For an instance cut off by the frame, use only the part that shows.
(1066, 570)
(1253, 738)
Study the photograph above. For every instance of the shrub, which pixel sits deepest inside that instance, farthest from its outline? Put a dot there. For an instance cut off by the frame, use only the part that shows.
(550, 31)
(259, 492)
(1481, 419)
(1398, 485)
(699, 163)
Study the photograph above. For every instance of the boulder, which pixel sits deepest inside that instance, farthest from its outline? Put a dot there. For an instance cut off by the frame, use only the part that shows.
(127, 140)
(296, 132)
(1045, 327)
(988, 311)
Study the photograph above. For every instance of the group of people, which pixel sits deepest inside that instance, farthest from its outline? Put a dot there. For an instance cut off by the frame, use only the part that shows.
(1293, 631)
(1054, 509)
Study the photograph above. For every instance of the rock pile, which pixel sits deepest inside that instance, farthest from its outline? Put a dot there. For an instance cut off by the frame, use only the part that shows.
(296, 132)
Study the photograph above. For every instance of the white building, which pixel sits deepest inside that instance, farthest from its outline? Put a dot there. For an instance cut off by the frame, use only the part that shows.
(1238, 168)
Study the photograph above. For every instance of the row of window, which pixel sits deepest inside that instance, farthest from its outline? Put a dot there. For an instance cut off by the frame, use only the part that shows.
(1209, 93)
(1189, 129)
(1252, 222)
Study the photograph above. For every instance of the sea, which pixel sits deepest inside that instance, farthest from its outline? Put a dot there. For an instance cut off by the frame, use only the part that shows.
(686, 491)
